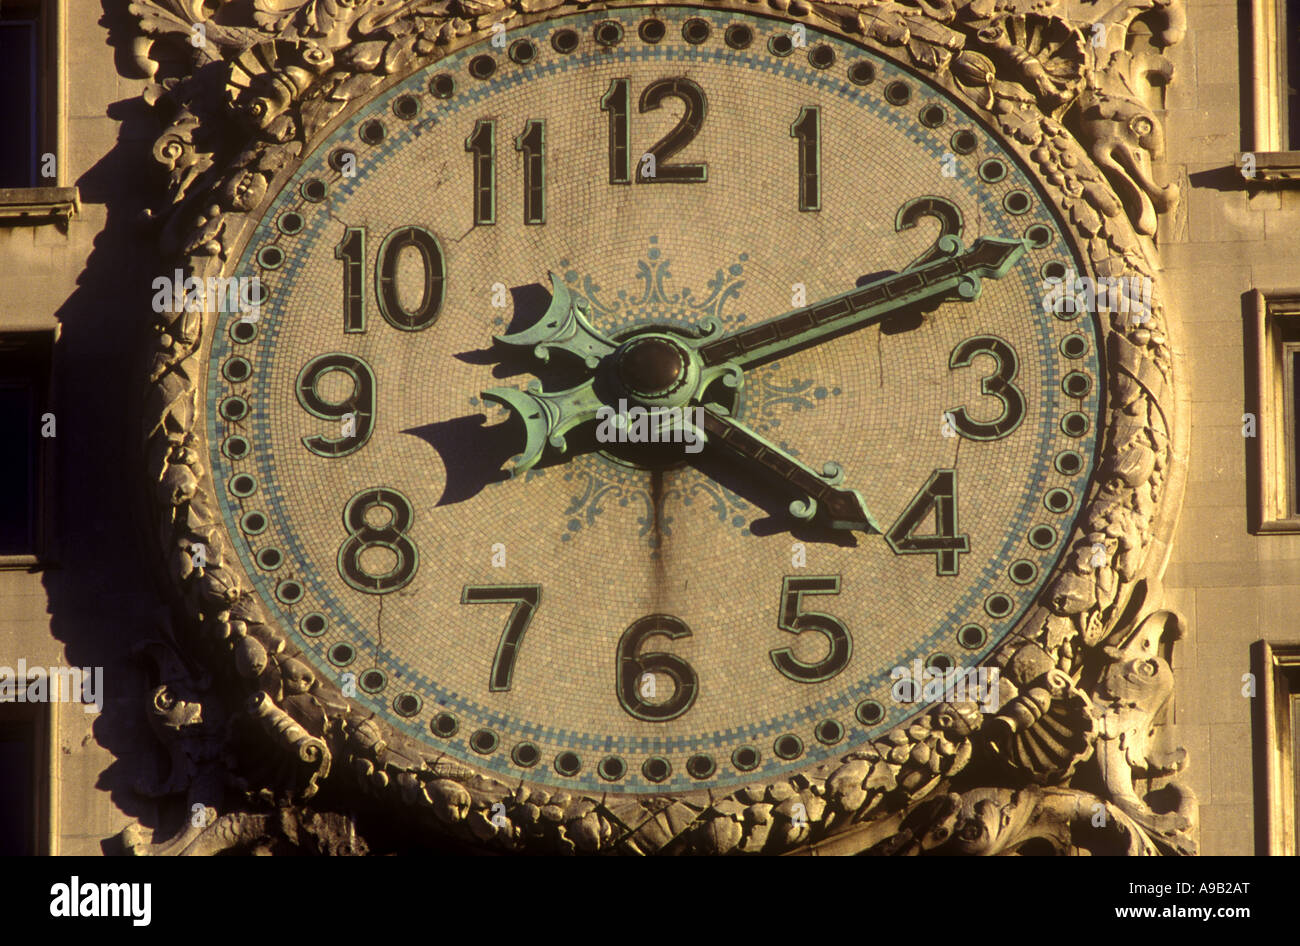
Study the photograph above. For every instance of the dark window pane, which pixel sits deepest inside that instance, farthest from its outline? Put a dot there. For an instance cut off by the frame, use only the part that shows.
(18, 428)
(1293, 460)
(1290, 28)
(18, 156)
(17, 781)
(1295, 764)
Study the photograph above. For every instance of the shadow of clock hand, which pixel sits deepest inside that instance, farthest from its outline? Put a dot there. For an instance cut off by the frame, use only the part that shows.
(530, 304)
(472, 453)
(904, 320)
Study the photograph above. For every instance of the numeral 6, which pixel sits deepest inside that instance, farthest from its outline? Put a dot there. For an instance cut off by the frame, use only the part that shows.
(633, 666)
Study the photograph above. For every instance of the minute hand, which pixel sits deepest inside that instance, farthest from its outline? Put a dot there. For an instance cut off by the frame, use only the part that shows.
(956, 272)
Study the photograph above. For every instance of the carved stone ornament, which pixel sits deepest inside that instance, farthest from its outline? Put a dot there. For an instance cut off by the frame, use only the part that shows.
(1071, 761)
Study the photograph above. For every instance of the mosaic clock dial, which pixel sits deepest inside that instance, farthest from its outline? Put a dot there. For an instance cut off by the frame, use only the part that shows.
(829, 269)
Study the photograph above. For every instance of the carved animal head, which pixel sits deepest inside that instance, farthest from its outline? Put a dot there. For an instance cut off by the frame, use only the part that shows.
(992, 821)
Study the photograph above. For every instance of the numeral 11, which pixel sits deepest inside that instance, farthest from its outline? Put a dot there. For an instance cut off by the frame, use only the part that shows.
(531, 143)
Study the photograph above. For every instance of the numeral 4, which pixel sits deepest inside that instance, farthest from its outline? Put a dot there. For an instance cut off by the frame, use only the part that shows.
(939, 495)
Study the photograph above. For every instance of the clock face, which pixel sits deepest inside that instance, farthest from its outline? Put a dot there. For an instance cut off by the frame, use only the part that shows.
(619, 199)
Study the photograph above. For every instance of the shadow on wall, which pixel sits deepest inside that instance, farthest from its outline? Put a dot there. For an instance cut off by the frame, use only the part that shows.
(102, 592)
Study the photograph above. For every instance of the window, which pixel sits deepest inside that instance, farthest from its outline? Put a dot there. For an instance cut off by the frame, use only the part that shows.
(1289, 133)
(1276, 726)
(25, 428)
(20, 73)
(24, 778)
(28, 68)
(1272, 135)
(32, 115)
(1272, 421)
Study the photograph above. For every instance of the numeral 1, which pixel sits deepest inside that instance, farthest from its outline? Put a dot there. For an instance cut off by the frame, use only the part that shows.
(615, 101)
(482, 143)
(808, 129)
(352, 250)
(531, 142)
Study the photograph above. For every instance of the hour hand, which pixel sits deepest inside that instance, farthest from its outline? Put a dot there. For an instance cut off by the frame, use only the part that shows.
(820, 493)
(564, 326)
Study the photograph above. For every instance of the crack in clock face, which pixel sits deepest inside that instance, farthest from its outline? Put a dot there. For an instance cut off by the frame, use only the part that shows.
(690, 631)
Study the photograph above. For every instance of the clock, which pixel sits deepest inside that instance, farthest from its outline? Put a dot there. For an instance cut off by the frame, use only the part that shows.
(642, 403)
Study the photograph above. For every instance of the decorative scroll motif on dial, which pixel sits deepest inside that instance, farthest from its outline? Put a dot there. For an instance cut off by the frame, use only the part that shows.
(283, 69)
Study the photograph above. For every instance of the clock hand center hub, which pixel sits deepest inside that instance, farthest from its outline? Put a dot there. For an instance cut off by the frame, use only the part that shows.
(656, 370)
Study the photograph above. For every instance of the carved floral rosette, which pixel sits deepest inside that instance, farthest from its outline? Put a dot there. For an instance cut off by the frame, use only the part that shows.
(1068, 764)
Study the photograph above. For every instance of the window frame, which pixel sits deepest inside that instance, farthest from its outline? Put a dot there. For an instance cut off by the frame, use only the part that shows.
(1270, 138)
(1276, 669)
(47, 200)
(41, 717)
(1273, 334)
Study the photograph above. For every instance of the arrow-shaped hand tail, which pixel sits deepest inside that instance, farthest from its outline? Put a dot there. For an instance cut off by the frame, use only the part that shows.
(564, 326)
(993, 257)
(546, 417)
(818, 494)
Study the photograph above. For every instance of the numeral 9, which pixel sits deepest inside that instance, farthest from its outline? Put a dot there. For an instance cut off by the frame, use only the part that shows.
(358, 406)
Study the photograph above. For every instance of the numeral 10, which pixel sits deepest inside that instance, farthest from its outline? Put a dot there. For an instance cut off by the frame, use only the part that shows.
(352, 251)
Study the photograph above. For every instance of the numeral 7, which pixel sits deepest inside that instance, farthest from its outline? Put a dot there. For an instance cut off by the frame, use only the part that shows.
(526, 598)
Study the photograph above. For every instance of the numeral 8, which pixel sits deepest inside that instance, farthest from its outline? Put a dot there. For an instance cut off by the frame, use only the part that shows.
(362, 536)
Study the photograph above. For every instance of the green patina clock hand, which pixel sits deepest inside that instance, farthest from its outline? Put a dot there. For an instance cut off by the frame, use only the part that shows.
(696, 364)
(840, 508)
(950, 272)
(564, 326)
(547, 416)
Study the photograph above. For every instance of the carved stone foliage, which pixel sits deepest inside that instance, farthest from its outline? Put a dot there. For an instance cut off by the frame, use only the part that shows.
(1071, 760)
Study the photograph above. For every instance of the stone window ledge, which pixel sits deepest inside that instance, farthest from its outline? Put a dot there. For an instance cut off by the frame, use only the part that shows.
(1273, 167)
(33, 206)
